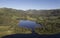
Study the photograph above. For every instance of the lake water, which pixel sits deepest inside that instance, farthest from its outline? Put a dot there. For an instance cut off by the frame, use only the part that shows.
(29, 24)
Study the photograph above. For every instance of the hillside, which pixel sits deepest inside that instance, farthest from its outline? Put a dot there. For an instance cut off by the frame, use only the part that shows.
(9, 19)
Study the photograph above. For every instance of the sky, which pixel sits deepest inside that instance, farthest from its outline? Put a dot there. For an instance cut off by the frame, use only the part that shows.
(30, 4)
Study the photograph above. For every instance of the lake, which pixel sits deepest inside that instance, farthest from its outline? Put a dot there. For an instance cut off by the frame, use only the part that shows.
(29, 24)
